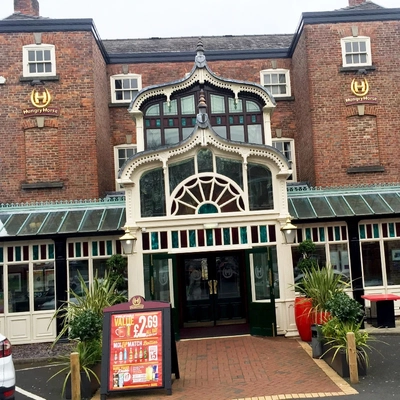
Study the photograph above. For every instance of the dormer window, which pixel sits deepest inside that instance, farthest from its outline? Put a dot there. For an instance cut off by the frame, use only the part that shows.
(39, 60)
(356, 51)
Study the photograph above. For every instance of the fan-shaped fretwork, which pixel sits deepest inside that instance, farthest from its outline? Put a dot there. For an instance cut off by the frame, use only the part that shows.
(192, 194)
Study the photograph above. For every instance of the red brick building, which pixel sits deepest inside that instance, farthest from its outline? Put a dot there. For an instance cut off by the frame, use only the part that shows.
(75, 108)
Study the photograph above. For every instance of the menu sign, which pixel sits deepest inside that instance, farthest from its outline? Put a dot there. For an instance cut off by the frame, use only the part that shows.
(136, 350)
(139, 351)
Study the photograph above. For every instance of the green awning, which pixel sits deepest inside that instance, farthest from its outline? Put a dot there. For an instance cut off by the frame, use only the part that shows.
(335, 203)
(108, 215)
(70, 217)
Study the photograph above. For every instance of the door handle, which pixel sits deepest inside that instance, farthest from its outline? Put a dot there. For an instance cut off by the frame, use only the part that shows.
(215, 286)
(270, 277)
(210, 286)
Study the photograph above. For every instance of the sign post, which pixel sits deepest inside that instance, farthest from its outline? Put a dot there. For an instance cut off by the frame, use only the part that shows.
(138, 347)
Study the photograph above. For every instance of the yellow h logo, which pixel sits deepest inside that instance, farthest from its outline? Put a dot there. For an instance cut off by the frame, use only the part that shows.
(40, 99)
(360, 87)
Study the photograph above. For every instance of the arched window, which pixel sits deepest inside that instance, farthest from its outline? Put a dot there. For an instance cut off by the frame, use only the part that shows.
(206, 184)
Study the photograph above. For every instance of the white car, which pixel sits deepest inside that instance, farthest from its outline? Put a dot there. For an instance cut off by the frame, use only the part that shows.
(7, 370)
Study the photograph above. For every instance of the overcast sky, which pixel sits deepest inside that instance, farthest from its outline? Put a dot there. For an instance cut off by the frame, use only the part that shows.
(128, 19)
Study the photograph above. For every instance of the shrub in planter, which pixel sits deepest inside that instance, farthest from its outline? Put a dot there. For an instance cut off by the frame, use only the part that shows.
(334, 333)
(89, 361)
(345, 308)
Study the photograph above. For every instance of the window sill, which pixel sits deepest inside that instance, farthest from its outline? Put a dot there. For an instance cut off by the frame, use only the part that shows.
(284, 98)
(54, 78)
(42, 185)
(356, 69)
(365, 169)
(113, 105)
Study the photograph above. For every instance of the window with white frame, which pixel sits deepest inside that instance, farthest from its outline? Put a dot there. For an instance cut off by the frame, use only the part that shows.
(124, 87)
(356, 51)
(121, 154)
(277, 81)
(39, 60)
(331, 249)
(380, 253)
(286, 147)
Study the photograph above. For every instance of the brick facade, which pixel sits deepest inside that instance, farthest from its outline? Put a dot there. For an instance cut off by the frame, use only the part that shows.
(75, 148)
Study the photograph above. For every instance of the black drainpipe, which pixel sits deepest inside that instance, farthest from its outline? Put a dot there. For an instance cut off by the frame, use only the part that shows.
(60, 245)
(355, 260)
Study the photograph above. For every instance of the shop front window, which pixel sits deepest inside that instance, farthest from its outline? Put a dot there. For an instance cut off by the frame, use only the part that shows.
(392, 260)
(43, 286)
(99, 268)
(339, 259)
(18, 288)
(76, 269)
(372, 264)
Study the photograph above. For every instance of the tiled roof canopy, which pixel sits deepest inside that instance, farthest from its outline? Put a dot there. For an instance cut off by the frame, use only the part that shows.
(108, 215)
(365, 202)
(69, 217)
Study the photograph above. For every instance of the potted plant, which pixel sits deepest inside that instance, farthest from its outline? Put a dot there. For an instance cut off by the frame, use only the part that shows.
(346, 316)
(345, 308)
(316, 287)
(89, 348)
(335, 351)
(302, 302)
(82, 322)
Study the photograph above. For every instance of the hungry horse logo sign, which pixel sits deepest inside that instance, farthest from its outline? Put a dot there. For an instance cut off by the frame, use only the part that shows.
(40, 99)
(359, 87)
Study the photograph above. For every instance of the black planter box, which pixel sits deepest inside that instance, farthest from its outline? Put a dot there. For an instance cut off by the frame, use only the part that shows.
(339, 362)
(88, 386)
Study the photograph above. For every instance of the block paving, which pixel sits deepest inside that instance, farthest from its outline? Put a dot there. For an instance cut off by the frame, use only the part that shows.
(247, 368)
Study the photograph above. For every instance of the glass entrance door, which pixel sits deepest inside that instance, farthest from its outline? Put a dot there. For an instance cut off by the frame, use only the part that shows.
(213, 293)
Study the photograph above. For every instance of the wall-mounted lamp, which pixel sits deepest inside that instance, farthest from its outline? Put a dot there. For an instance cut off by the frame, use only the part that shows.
(128, 242)
(2, 80)
(289, 231)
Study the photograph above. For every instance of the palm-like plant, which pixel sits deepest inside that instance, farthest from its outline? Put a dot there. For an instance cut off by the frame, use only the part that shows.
(320, 284)
(335, 332)
(82, 322)
(100, 294)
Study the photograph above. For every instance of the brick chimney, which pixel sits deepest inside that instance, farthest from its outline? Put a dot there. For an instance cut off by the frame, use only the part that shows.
(353, 3)
(27, 7)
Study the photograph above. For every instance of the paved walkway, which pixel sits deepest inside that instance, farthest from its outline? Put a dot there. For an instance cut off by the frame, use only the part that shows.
(247, 368)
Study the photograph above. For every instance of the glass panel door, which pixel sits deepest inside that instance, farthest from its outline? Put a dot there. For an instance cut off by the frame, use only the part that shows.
(263, 271)
(212, 290)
